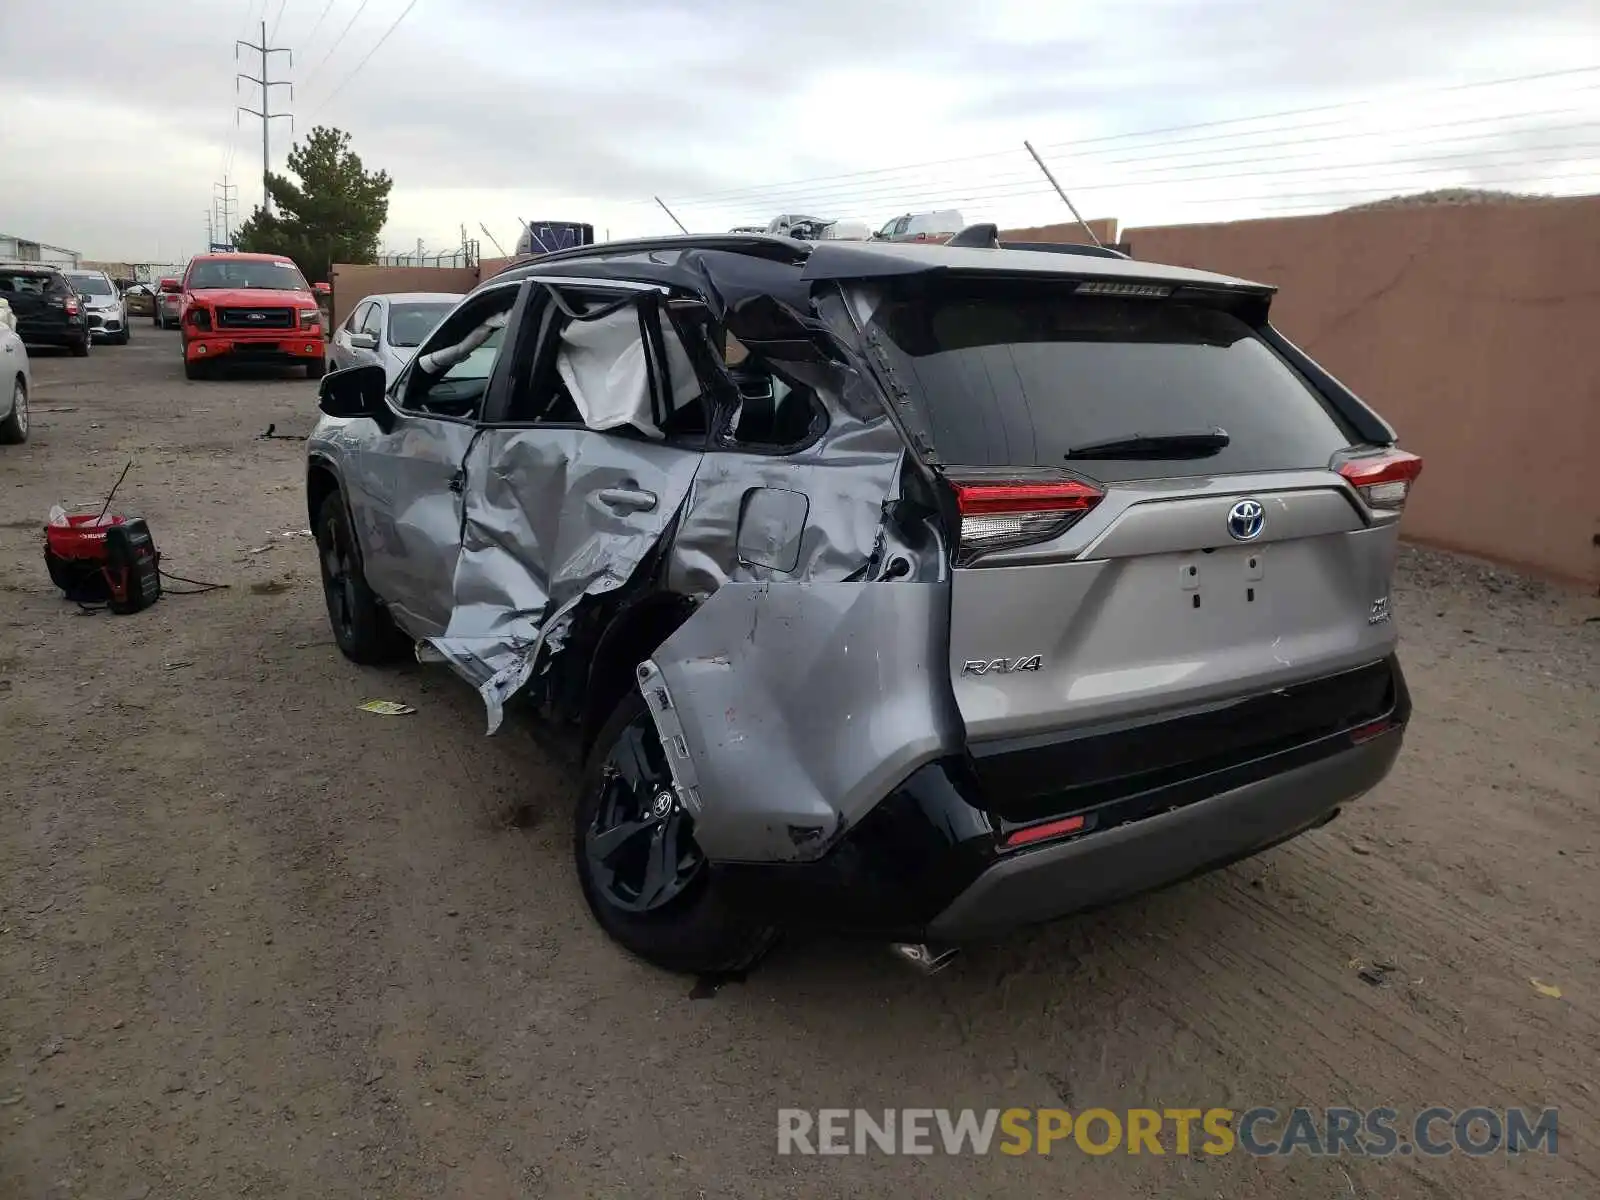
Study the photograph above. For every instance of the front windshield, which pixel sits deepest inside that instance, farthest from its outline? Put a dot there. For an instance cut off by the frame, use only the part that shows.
(247, 273)
(412, 321)
(91, 285)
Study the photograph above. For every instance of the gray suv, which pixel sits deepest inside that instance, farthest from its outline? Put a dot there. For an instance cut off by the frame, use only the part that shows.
(918, 591)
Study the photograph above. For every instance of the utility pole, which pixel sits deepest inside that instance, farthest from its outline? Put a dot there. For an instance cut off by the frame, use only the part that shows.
(211, 231)
(226, 206)
(266, 83)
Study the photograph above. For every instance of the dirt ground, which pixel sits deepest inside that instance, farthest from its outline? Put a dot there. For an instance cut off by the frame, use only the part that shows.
(257, 943)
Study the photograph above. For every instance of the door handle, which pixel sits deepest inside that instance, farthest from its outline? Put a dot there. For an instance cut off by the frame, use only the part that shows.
(628, 499)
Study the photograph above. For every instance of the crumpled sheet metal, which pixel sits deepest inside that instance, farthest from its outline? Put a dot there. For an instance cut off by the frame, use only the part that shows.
(801, 704)
(508, 606)
(846, 477)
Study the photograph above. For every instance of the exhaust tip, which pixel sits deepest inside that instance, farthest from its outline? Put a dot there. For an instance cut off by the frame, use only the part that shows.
(927, 959)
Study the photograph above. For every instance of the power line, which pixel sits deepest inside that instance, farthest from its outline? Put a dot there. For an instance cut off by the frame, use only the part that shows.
(354, 17)
(322, 16)
(278, 20)
(1077, 145)
(1136, 167)
(326, 100)
(233, 130)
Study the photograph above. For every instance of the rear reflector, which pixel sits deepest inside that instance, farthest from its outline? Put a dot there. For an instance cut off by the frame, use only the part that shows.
(1100, 287)
(1015, 512)
(1365, 733)
(1384, 480)
(1039, 833)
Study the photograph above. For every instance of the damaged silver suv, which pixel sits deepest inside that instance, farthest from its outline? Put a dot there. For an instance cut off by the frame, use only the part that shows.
(916, 591)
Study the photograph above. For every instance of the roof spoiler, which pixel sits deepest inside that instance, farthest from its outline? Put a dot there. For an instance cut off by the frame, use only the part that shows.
(1066, 248)
(987, 237)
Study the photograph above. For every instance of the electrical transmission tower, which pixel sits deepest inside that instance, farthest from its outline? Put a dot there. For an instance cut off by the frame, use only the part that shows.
(225, 205)
(267, 116)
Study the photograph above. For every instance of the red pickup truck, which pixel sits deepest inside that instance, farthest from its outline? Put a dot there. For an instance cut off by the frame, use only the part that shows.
(250, 308)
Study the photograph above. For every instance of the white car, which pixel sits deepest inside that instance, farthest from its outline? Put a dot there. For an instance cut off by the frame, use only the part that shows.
(103, 304)
(387, 329)
(15, 380)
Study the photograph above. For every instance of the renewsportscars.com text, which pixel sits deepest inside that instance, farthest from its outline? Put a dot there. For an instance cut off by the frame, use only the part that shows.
(1367, 1133)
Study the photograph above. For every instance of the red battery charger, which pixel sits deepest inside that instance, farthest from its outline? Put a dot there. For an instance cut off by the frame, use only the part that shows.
(110, 560)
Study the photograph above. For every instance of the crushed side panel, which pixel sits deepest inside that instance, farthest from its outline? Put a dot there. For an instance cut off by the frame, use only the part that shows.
(552, 516)
(801, 704)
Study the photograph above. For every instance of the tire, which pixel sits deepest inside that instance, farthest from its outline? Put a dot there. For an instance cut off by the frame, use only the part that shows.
(193, 369)
(686, 925)
(316, 370)
(362, 627)
(14, 429)
(126, 335)
(80, 349)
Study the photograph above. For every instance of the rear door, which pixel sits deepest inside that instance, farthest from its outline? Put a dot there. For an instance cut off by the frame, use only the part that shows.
(1222, 557)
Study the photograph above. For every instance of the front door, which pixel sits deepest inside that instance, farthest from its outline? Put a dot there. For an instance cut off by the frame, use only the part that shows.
(579, 468)
(409, 517)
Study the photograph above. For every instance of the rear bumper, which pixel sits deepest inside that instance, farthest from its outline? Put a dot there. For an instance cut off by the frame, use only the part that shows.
(1038, 885)
(928, 862)
(280, 346)
(52, 335)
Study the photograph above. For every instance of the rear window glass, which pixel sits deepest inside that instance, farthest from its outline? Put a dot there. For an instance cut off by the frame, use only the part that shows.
(411, 321)
(1010, 374)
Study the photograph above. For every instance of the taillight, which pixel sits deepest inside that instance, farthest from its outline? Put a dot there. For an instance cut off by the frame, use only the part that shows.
(1383, 480)
(71, 305)
(998, 513)
(199, 318)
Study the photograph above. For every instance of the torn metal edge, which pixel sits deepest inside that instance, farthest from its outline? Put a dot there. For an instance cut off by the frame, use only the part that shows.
(670, 730)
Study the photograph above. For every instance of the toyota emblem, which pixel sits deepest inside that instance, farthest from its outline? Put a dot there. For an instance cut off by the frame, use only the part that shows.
(1245, 520)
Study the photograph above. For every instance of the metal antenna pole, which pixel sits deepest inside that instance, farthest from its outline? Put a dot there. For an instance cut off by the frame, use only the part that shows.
(669, 213)
(493, 240)
(266, 84)
(1060, 191)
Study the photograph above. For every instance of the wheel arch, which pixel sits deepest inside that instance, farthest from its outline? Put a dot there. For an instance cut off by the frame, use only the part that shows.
(631, 636)
(322, 481)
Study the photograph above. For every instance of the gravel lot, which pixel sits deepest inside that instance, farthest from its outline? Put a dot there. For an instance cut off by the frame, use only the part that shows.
(255, 942)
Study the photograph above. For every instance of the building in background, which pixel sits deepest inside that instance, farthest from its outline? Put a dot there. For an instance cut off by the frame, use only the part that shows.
(21, 249)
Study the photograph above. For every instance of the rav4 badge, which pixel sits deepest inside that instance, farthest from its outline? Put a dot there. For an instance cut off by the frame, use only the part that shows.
(1001, 666)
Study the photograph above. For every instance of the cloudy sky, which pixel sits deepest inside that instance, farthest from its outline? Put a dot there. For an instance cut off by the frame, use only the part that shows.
(116, 118)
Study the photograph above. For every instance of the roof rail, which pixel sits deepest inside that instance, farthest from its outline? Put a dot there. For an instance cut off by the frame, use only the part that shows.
(1065, 248)
(769, 245)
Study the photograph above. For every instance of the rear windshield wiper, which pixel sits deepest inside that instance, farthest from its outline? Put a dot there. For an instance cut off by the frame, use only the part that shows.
(1154, 445)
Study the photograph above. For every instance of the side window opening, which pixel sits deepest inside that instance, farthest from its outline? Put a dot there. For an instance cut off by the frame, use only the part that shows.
(373, 322)
(450, 374)
(598, 363)
(775, 409)
(352, 323)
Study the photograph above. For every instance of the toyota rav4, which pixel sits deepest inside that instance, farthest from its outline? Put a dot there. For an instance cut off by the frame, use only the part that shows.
(249, 308)
(918, 591)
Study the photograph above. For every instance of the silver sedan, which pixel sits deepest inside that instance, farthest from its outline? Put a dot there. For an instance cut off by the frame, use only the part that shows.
(15, 381)
(386, 330)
